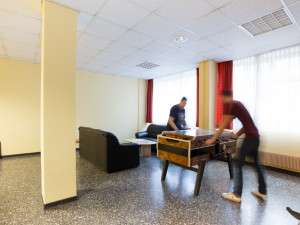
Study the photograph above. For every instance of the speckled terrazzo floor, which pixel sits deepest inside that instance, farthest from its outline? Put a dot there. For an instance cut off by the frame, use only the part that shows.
(137, 196)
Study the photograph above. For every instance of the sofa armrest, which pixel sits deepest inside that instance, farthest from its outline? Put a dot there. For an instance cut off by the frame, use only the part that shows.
(142, 134)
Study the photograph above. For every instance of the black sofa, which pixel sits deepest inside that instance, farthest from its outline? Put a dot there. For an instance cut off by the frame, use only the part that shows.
(104, 150)
(151, 133)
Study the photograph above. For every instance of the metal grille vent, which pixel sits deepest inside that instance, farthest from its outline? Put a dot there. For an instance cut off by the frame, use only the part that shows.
(147, 65)
(268, 23)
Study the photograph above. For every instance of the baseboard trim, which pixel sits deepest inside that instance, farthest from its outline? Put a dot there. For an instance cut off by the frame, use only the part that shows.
(23, 154)
(57, 203)
(277, 169)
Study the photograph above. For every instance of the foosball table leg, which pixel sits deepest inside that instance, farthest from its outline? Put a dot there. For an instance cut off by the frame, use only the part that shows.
(200, 172)
(165, 169)
(230, 167)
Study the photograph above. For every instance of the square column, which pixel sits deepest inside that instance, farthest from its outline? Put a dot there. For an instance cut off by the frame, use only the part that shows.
(58, 64)
(207, 94)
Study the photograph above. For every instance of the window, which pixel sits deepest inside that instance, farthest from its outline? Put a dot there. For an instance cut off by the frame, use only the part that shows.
(269, 86)
(168, 91)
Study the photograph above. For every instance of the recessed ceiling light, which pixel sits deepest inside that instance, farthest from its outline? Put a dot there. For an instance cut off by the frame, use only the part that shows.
(180, 39)
(147, 65)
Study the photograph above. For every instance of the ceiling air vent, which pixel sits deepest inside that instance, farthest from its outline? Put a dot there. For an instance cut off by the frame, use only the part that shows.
(268, 23)
(147, 65)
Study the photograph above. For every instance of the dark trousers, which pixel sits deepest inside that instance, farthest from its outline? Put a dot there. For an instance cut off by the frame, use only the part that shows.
(249, 148)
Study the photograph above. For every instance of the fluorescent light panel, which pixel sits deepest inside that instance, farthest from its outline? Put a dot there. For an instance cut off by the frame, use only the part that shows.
(267, 23)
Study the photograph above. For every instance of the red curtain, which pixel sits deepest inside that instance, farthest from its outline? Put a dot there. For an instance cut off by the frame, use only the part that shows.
(149, 101)
(224, 83)
(197, 99)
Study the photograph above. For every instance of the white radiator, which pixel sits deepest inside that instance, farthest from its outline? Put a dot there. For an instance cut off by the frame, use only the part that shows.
(279, 160)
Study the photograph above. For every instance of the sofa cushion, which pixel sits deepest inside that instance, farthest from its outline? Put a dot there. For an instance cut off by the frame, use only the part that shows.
(155, 129)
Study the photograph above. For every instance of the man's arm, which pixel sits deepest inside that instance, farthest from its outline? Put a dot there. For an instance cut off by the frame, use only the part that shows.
(171, 122)
(226, 120)
(184, 122)
(240, 132)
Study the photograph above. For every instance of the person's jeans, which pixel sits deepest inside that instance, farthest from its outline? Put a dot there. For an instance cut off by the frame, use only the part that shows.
(249, 148)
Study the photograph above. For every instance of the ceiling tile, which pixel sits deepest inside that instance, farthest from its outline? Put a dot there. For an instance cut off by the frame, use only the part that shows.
(210, 24)
(18, 46)
(241, 11)
(195, 59)
(123, 13)
(83, 20)
(295, 11)
(89, 69)
(164, 61)
(100, 62)
(142, 55)
(280, 38)
(245, 46)
(229, 36)
(282, 34)
(129, 61)
(127, 73)
(179, 54)
(159, 47)
(19, 36)
(135, 70)
(94, 67)
(150, 4)
(294, 40)
(108, 56)
(30, 8)
(135, 39)
(219, 3)
(111, 69)
(86, 51)
(105, 29)
(216, 53)
(156, 26)
(12, 53)
(223, 58)
(92, 41)
(181, 33)
(87, 6)
(120, 49)
(239, 54)
(289, 2)
(19, 22)
(82, 58)
(200, 46)
(117, 66)
(183, 12)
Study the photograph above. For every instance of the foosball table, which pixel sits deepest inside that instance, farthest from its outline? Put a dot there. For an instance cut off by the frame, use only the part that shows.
(186, 149)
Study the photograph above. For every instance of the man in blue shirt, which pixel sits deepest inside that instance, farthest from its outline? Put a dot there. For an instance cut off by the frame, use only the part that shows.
(177, 116)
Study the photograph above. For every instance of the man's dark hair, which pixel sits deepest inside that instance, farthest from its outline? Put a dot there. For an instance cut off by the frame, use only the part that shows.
(227, 93)
(184, 99)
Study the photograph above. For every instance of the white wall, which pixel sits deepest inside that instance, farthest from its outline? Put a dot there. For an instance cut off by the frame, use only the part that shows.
(19, 107)
(108, 103)
(105, 102)
(142, 126)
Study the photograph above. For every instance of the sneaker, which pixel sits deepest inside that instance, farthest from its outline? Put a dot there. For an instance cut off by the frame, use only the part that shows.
(259, 195)
(232, 197)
